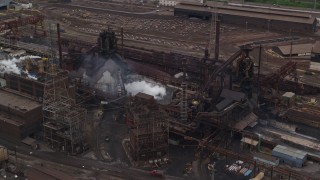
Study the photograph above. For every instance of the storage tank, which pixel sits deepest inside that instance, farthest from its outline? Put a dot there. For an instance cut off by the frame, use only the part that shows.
(3, 153)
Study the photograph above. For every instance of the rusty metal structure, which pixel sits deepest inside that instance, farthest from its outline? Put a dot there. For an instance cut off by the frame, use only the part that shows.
(307, 114)
(211, 93)
(274, 79)
(11, 26)
(206, 80)
(63, 121)
(149, 128)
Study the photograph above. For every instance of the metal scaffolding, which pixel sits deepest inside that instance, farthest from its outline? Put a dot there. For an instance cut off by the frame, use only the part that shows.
(63, 120)
(149, 129)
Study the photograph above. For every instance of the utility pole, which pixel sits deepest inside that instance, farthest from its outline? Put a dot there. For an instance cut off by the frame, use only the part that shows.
(290, 45)
(211, 34)
(246, 26)
(258, 90)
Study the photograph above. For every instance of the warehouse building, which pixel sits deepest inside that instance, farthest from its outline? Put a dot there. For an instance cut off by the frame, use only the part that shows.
(24, 85)
(20, 116)
(315, 57)
(291, 156)
(4, 3)
(294, 50)
(269, 19)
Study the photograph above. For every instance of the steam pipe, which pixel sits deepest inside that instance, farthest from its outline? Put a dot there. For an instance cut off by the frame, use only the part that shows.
(59, 45)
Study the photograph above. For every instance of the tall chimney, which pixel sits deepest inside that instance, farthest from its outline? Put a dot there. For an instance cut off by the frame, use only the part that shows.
(217, 43)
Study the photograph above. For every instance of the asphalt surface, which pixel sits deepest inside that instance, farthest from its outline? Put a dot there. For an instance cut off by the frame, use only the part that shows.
(113, 169)
(116, 130)
(180, 157)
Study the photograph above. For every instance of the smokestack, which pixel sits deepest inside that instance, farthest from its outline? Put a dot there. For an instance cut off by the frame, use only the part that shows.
(122, 42)
(59, 45)
(217, 43)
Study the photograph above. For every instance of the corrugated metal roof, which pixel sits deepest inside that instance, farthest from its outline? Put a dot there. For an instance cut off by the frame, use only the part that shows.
(249, 141)
(245, 121)
(257, 8)
(233, 95)
(4, 3)
(252, 12)
(295, 153)
(224, 103)
(296, 49)
(288, 94)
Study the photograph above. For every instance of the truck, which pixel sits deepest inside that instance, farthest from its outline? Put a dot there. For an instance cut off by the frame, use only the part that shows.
(158, 173)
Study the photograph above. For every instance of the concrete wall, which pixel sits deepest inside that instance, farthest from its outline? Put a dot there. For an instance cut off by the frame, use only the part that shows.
(9, 130)
(31, 87)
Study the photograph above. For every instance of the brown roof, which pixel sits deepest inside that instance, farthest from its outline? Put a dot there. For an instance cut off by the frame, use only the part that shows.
(17, 102)
(316, 47)
(252, 12)
(144, 96)
(233, 95)
(296, 49)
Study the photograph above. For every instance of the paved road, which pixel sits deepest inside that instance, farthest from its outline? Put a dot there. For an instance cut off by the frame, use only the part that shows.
(116, 130)
(116, 170)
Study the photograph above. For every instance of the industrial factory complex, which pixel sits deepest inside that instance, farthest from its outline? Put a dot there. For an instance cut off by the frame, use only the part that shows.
(145, 90)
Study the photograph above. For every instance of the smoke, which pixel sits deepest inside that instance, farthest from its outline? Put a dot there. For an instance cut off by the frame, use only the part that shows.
(135, 87)
(102, 73)
(106, 83)
(10, 65)
(30, 76)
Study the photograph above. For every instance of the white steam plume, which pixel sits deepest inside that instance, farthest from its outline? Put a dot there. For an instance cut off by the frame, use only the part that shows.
(10, 65)
(142, 86)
